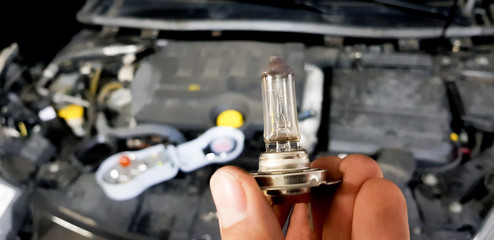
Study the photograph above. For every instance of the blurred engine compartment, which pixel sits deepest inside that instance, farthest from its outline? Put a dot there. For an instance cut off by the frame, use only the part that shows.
(425, 115)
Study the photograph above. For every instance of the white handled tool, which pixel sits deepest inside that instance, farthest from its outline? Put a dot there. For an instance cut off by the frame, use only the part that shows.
(127, 174)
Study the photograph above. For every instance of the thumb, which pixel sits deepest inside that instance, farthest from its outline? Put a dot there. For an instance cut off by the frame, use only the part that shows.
(243, 211)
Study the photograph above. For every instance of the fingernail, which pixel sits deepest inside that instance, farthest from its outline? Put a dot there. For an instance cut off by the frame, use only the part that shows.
(229, 198)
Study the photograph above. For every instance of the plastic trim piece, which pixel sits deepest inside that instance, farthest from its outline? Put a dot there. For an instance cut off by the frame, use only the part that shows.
(285, 26)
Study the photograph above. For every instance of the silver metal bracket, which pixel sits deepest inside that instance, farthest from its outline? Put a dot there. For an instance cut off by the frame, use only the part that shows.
(292, 187)
(286, 178)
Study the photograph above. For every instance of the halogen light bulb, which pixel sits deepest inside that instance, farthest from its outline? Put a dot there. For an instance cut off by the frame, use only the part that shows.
(281, 131)
(284, 174)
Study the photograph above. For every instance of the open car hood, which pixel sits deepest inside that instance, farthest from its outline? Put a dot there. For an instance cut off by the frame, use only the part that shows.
(356, 18)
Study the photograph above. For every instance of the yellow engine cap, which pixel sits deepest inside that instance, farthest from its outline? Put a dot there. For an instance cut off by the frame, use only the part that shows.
(71, 112)
(453, 136)
(230, 118)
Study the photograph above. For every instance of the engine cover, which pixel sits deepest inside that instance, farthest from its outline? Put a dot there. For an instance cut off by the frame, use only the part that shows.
(188, 84)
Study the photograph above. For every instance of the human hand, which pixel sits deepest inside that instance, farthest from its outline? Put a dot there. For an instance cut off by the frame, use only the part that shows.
(364, 206)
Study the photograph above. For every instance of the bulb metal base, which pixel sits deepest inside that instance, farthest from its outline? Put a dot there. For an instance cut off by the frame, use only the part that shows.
(286, 178)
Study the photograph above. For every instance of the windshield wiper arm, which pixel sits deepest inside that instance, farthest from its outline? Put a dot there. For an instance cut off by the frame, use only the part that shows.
(410, 7)
(426, 11)
(288, 4)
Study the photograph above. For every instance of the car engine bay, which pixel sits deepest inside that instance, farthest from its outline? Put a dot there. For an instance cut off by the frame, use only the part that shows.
(422, 107)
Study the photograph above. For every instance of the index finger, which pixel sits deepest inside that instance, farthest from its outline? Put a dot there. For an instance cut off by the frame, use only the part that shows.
(303, 228)
(354, 170)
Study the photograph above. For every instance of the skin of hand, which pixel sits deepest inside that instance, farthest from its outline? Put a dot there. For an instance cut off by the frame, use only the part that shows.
(364, 206)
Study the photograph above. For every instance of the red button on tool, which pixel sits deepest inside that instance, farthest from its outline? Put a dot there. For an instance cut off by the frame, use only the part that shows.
(124, 161)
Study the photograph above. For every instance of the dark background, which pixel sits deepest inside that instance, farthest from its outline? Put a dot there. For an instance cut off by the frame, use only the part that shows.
(41, 28)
